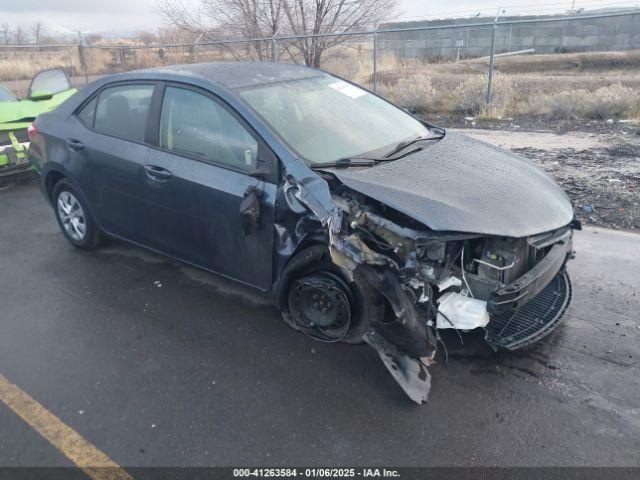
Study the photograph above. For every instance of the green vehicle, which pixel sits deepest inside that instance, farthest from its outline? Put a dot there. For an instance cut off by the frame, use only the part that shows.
(48, 89)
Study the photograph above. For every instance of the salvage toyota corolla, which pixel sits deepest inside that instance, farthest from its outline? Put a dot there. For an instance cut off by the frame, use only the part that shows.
(362, 222)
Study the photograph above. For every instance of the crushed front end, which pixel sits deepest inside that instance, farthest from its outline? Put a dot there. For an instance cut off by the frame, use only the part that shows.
(516, 289)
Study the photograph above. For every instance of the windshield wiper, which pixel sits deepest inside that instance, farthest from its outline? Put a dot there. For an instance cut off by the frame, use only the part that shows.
(407, 143)
(347, 162)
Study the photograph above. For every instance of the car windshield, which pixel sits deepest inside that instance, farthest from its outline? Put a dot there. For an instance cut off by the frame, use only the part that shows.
(6, 95)
(324, 118)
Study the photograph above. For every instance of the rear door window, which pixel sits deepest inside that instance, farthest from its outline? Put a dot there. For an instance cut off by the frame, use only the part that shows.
(122, 111)
(88, 112)
(195, 125)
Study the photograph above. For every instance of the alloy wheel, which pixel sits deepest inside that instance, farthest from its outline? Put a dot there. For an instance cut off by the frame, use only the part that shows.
(72, 216)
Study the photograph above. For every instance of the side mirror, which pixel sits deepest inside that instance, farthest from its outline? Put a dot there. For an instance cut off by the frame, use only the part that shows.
(250, 210)
(40, 95)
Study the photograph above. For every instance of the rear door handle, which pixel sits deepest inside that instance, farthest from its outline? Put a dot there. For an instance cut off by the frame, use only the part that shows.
(73, 144)
(157, 173)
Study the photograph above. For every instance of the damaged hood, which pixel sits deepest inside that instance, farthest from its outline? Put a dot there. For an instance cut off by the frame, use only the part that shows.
(465, 185)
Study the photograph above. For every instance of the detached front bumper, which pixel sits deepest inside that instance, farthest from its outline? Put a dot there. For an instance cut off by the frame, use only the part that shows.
(530, 308)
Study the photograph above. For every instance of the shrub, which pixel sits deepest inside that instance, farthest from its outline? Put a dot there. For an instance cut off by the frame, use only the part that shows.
(470, 96)
(415, 93)
(614, 101)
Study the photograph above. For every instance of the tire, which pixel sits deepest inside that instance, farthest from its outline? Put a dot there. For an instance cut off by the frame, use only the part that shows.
(368, 305)
(74, 217)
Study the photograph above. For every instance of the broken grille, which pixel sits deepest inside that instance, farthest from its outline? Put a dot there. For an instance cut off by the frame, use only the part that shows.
(534, 320)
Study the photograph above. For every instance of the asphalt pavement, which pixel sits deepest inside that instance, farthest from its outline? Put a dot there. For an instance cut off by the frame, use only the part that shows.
(159, 364)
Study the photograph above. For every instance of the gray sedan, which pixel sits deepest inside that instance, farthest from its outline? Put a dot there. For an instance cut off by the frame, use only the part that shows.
(363, 222)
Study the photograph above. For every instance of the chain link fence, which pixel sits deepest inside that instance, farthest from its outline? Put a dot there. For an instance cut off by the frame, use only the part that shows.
(586, 66)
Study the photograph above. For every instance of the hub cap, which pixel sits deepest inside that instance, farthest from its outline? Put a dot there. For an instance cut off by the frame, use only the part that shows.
(72, 216)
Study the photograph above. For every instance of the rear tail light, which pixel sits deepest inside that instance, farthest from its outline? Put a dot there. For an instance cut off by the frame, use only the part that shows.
(32, 130)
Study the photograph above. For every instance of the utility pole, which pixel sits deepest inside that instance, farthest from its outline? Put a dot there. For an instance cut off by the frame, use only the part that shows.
(375, 61)
(196, 58)
(492, 58)
(82, 57)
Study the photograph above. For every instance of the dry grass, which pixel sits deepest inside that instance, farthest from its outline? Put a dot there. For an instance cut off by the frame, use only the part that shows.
(598, 85)
(23, 65)
(554, 91)
(515, 95)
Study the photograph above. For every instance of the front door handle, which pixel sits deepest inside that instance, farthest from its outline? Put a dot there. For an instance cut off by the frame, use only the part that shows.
(74, 145)
(158, 174)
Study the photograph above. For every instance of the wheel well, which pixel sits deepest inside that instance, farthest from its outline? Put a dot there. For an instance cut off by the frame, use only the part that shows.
(305, 255)
(50, 182)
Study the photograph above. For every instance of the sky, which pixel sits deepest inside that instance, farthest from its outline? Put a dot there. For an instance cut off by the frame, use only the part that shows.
(135, 15)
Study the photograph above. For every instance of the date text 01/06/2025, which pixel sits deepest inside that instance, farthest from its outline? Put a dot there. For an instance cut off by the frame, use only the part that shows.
(316, 472)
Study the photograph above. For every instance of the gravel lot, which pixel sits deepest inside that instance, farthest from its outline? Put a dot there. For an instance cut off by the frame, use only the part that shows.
(600, 171)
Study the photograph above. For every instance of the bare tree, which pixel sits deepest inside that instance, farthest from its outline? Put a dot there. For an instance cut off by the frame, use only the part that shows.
(315, 17)
(92, 38)
(4, 30)
(19, 35)
(147, 38)
(217, 19)
(37, 29)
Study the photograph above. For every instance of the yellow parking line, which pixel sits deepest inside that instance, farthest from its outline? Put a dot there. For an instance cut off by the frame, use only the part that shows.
(94, 463)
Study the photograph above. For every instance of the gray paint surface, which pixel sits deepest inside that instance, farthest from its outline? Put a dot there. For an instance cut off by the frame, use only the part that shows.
(237, 74)
(465, 185)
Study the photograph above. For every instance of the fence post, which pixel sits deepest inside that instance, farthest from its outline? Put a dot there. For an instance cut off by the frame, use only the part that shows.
(274, 49)
(196, 57)
(82, 58)
(375, 61)
(491, 58)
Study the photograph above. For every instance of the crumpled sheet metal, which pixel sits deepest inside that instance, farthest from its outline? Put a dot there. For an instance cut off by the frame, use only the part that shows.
(410, 374)
(465, 185)
(310, 190)
(400, 344)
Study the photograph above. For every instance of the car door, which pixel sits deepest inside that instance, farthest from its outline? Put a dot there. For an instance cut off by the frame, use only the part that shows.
(197, 178)
(111, 148)
(51, 81)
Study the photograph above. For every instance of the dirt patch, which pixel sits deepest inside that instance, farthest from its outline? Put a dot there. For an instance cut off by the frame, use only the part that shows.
(539, 140)
(599, 171)
(538, 123)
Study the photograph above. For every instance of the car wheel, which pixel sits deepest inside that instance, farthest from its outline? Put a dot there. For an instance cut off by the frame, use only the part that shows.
(74, 218)
(323, 304)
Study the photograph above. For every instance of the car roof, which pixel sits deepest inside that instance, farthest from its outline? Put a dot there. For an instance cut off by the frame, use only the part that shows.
(231, 75)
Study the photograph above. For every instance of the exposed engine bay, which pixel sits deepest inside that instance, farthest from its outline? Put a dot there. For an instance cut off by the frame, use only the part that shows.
(515, 289)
